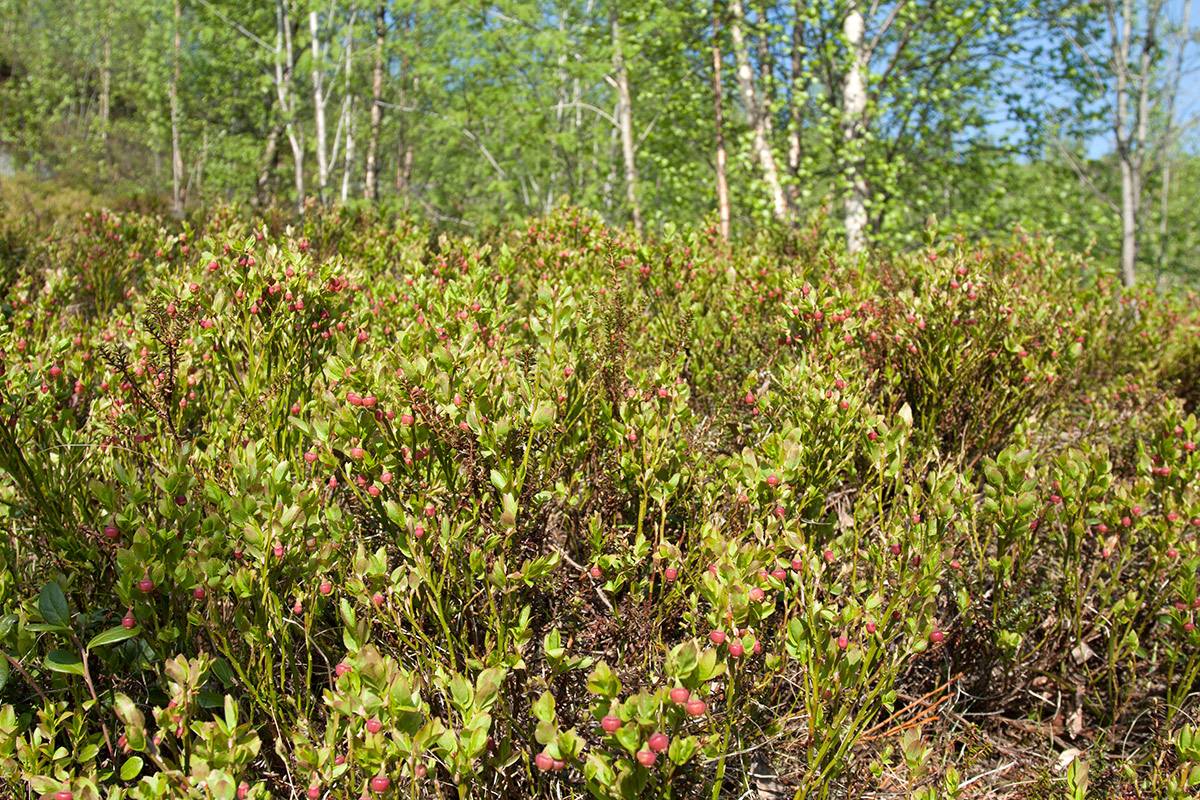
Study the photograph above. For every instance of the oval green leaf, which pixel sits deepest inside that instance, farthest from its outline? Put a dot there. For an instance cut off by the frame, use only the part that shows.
(113, 635)
(63, 661)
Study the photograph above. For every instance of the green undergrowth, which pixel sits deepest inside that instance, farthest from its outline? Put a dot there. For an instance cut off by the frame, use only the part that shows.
(336, 507)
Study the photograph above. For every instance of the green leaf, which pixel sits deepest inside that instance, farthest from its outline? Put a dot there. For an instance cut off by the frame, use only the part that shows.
(683, 659)
(487, 687)
(545, 732)
(223, 671)
(682, 749)
(63, 661)
(131, 768)
(544, 417)
(113, 635)
(543, 709)
(630, 737)
(597, 770)
(52, 604)
(603, 682)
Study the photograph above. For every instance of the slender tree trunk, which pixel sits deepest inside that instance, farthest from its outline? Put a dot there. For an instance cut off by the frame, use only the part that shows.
(1120, 128)
(348, 167)
(1131, 145)
(766, 68)
(561, 119)
(106, 74)
(371, 191)
(1168, 136)
(404, 143)
(625, 123)
(754, 110)
(263, 184)
(719, 121)
(854, 108)
(610, 179)
(285, 64)
(176, 152)
(198, 172)
(319, 103)
(796, 106)
(1149, 46)
(347, 121)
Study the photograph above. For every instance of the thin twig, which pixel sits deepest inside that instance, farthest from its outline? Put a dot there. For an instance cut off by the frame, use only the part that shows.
(596, 586)
(26, 676)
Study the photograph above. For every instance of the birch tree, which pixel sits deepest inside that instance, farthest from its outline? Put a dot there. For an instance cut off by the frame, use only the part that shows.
(723, 212)
(625, 121)
(757, 113)
(371, 186)
(173, 99)
(854, 113)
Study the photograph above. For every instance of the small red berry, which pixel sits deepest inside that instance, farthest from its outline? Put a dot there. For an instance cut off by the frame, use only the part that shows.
(543, 761)
(199, 593)
(658, 742)
(325, 588)
(314, 792)
(647, 757)
(717, 637)
(380, 784)
(596, 572)
(374, 725)
(696, 708)
(936, 636)
(610, 724)
(670, 573)
(736, 648)
(146, 585)
(679, 695)
(128, 621)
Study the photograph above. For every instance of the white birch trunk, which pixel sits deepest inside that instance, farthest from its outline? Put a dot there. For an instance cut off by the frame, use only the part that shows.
(761, 141)
(371, 190)
(284, 70)
(176, 150)
(723, 214)
(854, 108)
(625, 123)
(319, 102)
